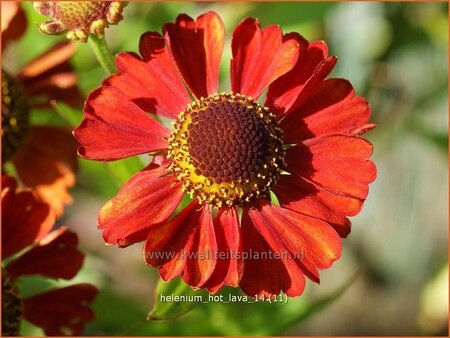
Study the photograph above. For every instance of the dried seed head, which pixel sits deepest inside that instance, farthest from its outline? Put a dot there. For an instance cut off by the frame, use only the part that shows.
(12, 310)
(79, 18)
(15, 116)
(226, 149)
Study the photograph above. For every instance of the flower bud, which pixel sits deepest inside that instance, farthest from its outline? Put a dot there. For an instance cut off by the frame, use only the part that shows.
(79, 18)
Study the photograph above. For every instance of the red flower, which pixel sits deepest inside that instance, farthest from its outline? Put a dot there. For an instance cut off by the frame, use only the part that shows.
(228, 152)
(44, 156)
(36, 250)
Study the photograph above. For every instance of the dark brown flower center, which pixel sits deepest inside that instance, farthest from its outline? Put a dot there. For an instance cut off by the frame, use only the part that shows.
(15, 116)
(226, 149)
(12, 311)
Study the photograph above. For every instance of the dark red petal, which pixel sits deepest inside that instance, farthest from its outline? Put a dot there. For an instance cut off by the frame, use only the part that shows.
(25, 219)
(61, 312)
(259, 57)
(309, 199)
(313, 244)
(9, 185)
(55, 256)
(312, 66)
(146, 199)
(264, 273)
(153, 83)
(197, 49)
(332, 108)
(52, 77)
(337, 162)
(14, 21)
(168, 243)
(47, 162)
(201, 261)
(114, 128)
(229, 267)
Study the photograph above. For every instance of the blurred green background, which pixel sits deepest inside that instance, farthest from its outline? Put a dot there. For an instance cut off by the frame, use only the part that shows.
(396, 55)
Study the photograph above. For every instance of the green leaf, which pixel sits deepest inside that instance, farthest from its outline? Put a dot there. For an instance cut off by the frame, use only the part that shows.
(169, 309)
(71, 115)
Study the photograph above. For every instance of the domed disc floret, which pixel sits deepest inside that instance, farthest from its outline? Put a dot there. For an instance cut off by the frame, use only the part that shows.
(226, 149)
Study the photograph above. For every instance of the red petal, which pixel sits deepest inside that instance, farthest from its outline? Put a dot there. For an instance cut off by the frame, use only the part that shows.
(331, 109)
(301, 240)
(146, 199)
(201, 259)
(25, 219)
(114, 128)
(312, 66)
(14, 21)
(197, 49)
(168, 243)
(309, 199)
(61, 312)
(55, 256)
(153, 83)
(228, 270)
(9, 185)
(264, 273)
(339, 163)
(47, 162)
(51, 75)
(259, 57)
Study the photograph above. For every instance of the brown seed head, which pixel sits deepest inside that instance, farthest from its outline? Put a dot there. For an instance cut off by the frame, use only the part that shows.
(15, 116)
(79, 18)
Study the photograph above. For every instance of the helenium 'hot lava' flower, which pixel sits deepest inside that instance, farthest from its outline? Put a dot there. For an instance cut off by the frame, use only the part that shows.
(44, 156)
(228, 151)
(26, 225)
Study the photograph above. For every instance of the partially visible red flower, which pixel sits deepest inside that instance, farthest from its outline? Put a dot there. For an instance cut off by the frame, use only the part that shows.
(30, 247)
(44, 156)
(228, 152)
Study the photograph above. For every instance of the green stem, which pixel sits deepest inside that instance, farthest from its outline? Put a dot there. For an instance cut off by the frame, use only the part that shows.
(103, 53)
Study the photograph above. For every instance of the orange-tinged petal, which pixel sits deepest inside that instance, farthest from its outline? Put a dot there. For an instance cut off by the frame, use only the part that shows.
(14, 21)
(61, 312)
(25, 219)
(54, 256)
(47, 162)
(331, 108)
(148, 198)
(152, 82)
(337, 162)
(197, 47)
(168, 243)
(260, 56)
(264, 273)
(114, 128)
(228, 270)
(301, 241)
(202, 255)
(307, 198)
(50, 76)
(313, 65)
